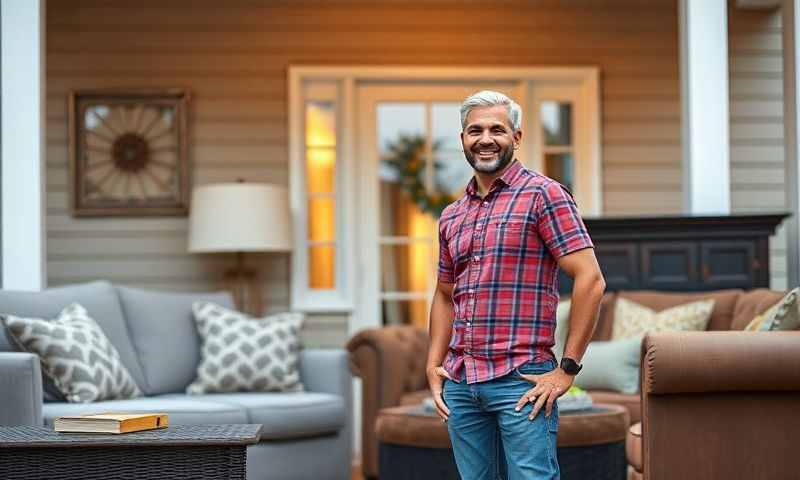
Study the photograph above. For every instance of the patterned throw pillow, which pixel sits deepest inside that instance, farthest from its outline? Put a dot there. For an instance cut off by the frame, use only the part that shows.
(634, 320)
(75, 354)
(784, 315)
(242, 353)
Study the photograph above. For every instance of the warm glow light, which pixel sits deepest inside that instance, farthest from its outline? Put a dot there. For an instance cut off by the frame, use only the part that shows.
(321, 266)
(320, 125)
(320, 179)
(419, 267)
(320, 165)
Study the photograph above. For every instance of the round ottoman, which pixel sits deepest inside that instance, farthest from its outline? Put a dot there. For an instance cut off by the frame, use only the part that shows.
(414, 444)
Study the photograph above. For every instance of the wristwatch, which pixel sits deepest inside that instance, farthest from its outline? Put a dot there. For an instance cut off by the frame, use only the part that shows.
(570, 366)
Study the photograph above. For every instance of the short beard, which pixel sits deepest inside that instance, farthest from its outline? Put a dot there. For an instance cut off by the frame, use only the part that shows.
(505, 157)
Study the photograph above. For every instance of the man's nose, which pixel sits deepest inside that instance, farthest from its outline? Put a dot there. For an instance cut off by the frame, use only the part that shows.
(485, 138)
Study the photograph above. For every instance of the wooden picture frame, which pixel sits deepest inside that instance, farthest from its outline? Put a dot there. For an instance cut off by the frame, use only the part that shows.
(129, 152)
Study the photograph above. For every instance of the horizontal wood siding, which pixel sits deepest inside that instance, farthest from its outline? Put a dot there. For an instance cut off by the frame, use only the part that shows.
(234, 55)
(756, 111)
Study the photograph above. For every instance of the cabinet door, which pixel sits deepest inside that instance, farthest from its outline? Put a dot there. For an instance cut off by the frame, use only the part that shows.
(728, 263)
(669, 265)
(619, 263)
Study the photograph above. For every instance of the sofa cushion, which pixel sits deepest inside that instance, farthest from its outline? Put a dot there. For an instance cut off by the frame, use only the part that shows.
(164, 335)
(752, 303)
(721, 315)
(631, 402)
(181, 411)
(75, 354)
(284, 415)
(98, 298)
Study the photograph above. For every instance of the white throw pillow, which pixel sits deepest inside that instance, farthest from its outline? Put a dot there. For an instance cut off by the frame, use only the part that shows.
(634, 320)
(75, 354)
(243, 353)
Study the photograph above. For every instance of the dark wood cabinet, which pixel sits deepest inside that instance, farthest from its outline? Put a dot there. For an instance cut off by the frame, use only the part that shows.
(682, 253)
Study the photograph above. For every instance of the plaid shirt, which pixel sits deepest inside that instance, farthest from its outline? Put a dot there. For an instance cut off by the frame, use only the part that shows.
(501, 252)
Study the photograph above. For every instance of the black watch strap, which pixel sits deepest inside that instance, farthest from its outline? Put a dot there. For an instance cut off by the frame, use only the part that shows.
(570, 366)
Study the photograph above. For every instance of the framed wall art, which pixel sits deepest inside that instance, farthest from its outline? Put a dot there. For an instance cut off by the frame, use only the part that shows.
(128, 152)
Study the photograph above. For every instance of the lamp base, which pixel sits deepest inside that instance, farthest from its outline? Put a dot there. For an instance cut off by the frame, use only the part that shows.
(246, 286)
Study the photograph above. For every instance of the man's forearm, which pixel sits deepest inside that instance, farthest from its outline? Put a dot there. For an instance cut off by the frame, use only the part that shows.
(441, 328)
(587, 292)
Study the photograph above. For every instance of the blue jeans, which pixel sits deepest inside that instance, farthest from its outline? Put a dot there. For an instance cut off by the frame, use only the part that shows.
(491, 440)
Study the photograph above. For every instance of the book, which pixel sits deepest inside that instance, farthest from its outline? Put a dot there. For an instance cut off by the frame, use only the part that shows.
(111, 422)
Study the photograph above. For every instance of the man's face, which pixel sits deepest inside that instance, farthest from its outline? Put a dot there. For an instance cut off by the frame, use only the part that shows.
(489, 139)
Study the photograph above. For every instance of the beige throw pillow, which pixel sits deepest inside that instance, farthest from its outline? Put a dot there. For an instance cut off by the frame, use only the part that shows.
(634, 320)
(784, 315)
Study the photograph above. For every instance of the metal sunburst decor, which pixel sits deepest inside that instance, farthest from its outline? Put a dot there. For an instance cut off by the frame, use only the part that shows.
(128, 153)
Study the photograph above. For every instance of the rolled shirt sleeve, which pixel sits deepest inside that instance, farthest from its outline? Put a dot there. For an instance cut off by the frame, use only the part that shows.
(559, 223)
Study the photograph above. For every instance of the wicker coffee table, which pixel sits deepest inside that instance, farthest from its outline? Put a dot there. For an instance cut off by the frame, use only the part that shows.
(414, 444)
(177, 452)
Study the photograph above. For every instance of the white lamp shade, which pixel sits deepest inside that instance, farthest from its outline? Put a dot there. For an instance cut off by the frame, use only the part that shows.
(239, 217)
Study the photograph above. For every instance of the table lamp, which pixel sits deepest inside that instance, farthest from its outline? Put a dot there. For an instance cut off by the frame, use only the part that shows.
(240, 217)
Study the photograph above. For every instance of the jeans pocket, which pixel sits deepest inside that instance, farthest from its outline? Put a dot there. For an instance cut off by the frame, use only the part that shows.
(535, 368)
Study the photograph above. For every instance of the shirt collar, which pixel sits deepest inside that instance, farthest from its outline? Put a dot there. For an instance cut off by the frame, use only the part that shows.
(509, 175)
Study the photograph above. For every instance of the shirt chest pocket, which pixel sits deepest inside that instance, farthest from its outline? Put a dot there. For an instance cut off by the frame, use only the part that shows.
(508, 235)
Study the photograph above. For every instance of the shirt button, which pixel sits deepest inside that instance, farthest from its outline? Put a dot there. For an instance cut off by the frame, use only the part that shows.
(476, 258)
(485, 203)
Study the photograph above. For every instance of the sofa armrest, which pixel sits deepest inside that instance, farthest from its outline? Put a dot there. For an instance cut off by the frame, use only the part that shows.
(20, 389)
(390, 362)
(722, 361)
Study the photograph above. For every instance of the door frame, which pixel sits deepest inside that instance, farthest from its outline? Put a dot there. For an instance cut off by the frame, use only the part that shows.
(348, 79)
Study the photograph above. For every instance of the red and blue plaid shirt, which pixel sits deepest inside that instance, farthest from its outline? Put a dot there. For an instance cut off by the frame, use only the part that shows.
(501, 253)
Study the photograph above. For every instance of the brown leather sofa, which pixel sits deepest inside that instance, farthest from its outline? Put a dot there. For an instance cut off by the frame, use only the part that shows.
(718, 405)
(391, 360)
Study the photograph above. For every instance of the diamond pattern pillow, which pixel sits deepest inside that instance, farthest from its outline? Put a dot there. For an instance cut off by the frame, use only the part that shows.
(634, 320)
(75, 354)
(243, 353)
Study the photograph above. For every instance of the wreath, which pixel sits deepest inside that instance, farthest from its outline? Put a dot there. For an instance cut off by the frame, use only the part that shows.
(406, 156)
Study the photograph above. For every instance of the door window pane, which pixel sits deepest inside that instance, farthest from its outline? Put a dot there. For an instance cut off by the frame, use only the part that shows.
(557, 123)
(559, 166)
(406, 267)
(405, 312)
(451, 170)
(320, 137)
(321, 267)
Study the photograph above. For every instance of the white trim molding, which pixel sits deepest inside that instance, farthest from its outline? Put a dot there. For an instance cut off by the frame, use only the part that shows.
(704, 99)
(23, 134)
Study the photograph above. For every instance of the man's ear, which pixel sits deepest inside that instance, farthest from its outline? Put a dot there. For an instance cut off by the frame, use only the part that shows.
(517, 138)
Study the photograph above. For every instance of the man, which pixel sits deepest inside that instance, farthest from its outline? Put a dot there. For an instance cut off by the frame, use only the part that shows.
(493, 313)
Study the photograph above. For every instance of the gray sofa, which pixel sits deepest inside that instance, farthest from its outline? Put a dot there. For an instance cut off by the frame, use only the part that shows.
(304, 435)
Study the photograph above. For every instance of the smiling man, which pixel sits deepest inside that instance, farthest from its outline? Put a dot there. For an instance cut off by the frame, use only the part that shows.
(490, 367)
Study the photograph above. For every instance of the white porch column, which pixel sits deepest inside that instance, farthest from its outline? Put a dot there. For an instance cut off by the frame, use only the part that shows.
(23, 171)
(791, 109)
(704, 97)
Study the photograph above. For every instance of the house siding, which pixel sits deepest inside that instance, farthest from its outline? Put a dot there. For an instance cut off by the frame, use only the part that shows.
(756, 126)
(233, 56)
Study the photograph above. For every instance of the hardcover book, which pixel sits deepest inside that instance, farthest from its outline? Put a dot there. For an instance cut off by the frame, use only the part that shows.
(111, 422)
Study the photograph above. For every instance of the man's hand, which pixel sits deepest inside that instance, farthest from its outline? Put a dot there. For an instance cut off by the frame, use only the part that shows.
(549, 386)
(436, 377)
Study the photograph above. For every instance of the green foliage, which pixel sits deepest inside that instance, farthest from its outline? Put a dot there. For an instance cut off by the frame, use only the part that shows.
(407, 157)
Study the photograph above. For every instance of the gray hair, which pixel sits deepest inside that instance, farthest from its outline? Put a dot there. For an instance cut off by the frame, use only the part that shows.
(489, 98)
